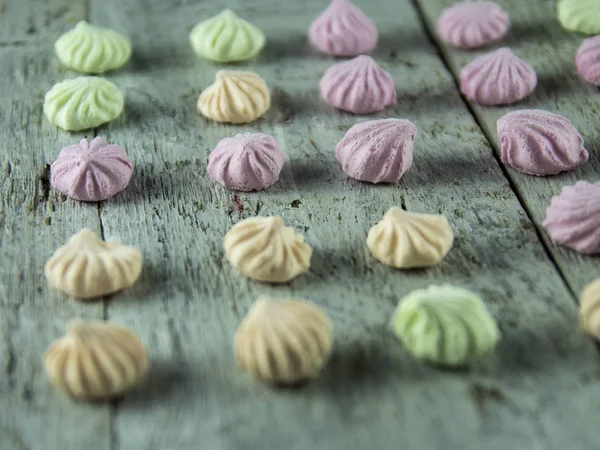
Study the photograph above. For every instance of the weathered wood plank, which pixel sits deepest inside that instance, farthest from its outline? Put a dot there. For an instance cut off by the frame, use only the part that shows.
(537, 37)
(373, 394)
(34, 221)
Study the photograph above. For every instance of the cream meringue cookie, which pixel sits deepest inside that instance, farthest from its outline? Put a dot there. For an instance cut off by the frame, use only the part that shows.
(87, 267)
(343, 30)
(96, 360)
(91, 171)
(235, 97)
(589, 311)
(573, 217)
(246, 162)
(497, 78)
(264, 249)
(538, 142)
(588, 60)
(359, 86)
(284, 341)
(471, 24)
(378, 151)
(406, 240)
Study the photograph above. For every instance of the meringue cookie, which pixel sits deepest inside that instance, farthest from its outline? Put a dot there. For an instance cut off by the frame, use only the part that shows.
(573, 217)
(378, 150)
(83, 103)
(406, 240)
(343, 30)
(446, 325)
(235, 97)
(87, 267)
(538, 142)
(590, 309)
(246, 162)
(580, 15)
(359, 86)
(284, 341)
(588, 60)
(497, 78)
(263, 249)
(227, 38)
(472, 24)
(91, 49)
(91, 172)
(96, 360)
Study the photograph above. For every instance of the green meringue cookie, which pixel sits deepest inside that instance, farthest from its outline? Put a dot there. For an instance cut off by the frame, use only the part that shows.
(90, 49)
(82, 103)
(446, 325)
(580, 15)
(226, 38)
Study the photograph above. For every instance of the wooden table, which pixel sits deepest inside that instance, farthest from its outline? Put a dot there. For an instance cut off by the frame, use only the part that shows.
(540, 390)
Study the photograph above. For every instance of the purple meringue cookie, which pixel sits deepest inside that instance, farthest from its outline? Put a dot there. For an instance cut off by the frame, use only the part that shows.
(246, 162)
(91, 171)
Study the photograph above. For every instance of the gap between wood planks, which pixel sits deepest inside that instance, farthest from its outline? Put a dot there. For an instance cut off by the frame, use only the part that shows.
(429, 32)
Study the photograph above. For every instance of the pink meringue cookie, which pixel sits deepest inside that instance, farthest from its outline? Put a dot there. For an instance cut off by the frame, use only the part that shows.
(588, 60)
(573, 217)
(359, 86)
(246, 162)
(343, 30)
(91, 172)
(497, 78)
(472, 24)
(538, 142)
(378, 150)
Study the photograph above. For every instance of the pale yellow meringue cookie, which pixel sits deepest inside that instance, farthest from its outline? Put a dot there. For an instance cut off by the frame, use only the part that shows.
(96, 360)
(235, 97)
(88, 267)
(263, 249)
(407, 240)
(590, 309)
(284, 341)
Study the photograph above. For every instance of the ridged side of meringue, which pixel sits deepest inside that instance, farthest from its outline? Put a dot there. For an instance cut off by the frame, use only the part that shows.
(227, 38)
(377, 151)
(90, 49)
(538, 142)
(343, 30)
(235, 97)
(473, 24)
(588, 60)
(246, 162)
(589, 310)
(498, 78)
(573, 217)
(359, 86)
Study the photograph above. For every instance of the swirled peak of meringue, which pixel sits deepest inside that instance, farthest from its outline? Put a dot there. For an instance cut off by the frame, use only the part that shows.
(473, 24)
(359, 86)
(343, 30)
(538, 142)
(588, 60)
(378, 150)
(573, 217)
(497, 78)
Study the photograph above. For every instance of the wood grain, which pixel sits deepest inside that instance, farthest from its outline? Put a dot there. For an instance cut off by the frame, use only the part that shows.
(537, 37)
(539, 390)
